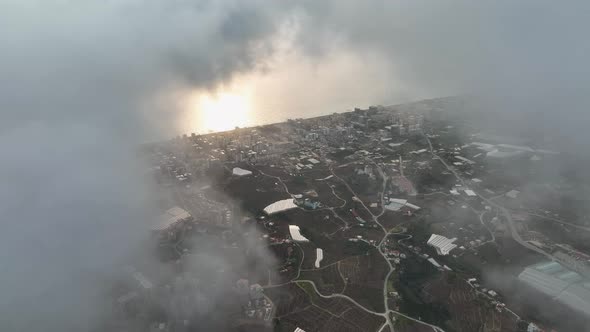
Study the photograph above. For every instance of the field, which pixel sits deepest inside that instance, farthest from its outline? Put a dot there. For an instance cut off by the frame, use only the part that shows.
(464, 309)
(298, 305)
(402, 324)
(364, 277)
(328, 280)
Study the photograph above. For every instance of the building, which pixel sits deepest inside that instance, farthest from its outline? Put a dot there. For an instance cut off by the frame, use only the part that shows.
(560, 283)
(243, 286)
(280, 206)
(513, 194)
(470, 193)
(256, 292)
(296, 234)
(241, 172)
(170, 219)
(319, 256)
(395, 204)
(442, 244)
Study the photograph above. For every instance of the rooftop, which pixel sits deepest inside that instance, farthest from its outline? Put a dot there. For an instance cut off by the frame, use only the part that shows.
(170, 217)
(442, 244)
(241, 172)
(296, 234)
(280, 206)
(562, 284)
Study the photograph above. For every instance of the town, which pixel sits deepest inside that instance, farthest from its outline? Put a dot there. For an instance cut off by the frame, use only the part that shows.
(397, 218)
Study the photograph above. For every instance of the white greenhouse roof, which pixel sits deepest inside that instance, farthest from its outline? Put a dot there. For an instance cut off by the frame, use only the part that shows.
(566, 286)
(319, 256)
(241, 172)
(470, 192)
(170, 217)
(395, 204)
(296, 234)
(280, 206)
(442, 244)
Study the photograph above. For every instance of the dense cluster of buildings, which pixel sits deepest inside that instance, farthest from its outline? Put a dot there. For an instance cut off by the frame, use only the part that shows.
(255, 304)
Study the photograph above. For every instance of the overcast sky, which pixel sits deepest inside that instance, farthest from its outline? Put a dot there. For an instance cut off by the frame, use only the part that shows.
(83, 82)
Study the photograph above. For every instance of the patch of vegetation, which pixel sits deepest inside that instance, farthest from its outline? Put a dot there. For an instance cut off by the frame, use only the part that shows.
(355, 248)
(309, 290)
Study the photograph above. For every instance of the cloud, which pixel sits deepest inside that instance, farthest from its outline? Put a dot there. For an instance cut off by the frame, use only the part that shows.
(526, 57)
(83, 82)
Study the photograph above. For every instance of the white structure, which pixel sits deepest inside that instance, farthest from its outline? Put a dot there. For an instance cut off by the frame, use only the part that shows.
(127, 297)
(470, 162)
(564, 285)
(418, 151)
(434, 262)
(470, 193)
(296, 234)
(313, 161)
(280, 206)
(395, 204)
(442, 244)
(170, 217)
(299, 330)
(241, 172)
(319, 256)
(513, 194)
(256, 292)
(143, 281)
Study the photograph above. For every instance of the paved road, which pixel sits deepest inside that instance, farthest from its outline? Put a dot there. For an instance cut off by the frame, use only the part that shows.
(379, 246)
(385, 314)
(375, 217)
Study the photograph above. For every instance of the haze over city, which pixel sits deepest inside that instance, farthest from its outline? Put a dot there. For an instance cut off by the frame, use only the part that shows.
(116, 113)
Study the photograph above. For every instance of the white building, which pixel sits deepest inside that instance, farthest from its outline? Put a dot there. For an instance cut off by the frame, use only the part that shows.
(564, 285)
(395, 204)
(280, 206)
(170, 218)
(513, 194)
(296, 234)
(442, 244)
(319, 256)
(241, 172)
(470, 193)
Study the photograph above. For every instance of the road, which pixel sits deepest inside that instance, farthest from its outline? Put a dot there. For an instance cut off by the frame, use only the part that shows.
(385, 314)
(559, 221)
(375, 217)
(493, 237)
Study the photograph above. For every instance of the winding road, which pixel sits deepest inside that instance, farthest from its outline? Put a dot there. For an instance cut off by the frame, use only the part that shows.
(375, 217)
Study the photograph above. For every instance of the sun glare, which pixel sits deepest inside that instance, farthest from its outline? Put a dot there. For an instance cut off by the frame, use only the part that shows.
(222, 111)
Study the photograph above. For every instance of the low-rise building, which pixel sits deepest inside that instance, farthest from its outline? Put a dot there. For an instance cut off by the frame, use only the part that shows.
(442, 244)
